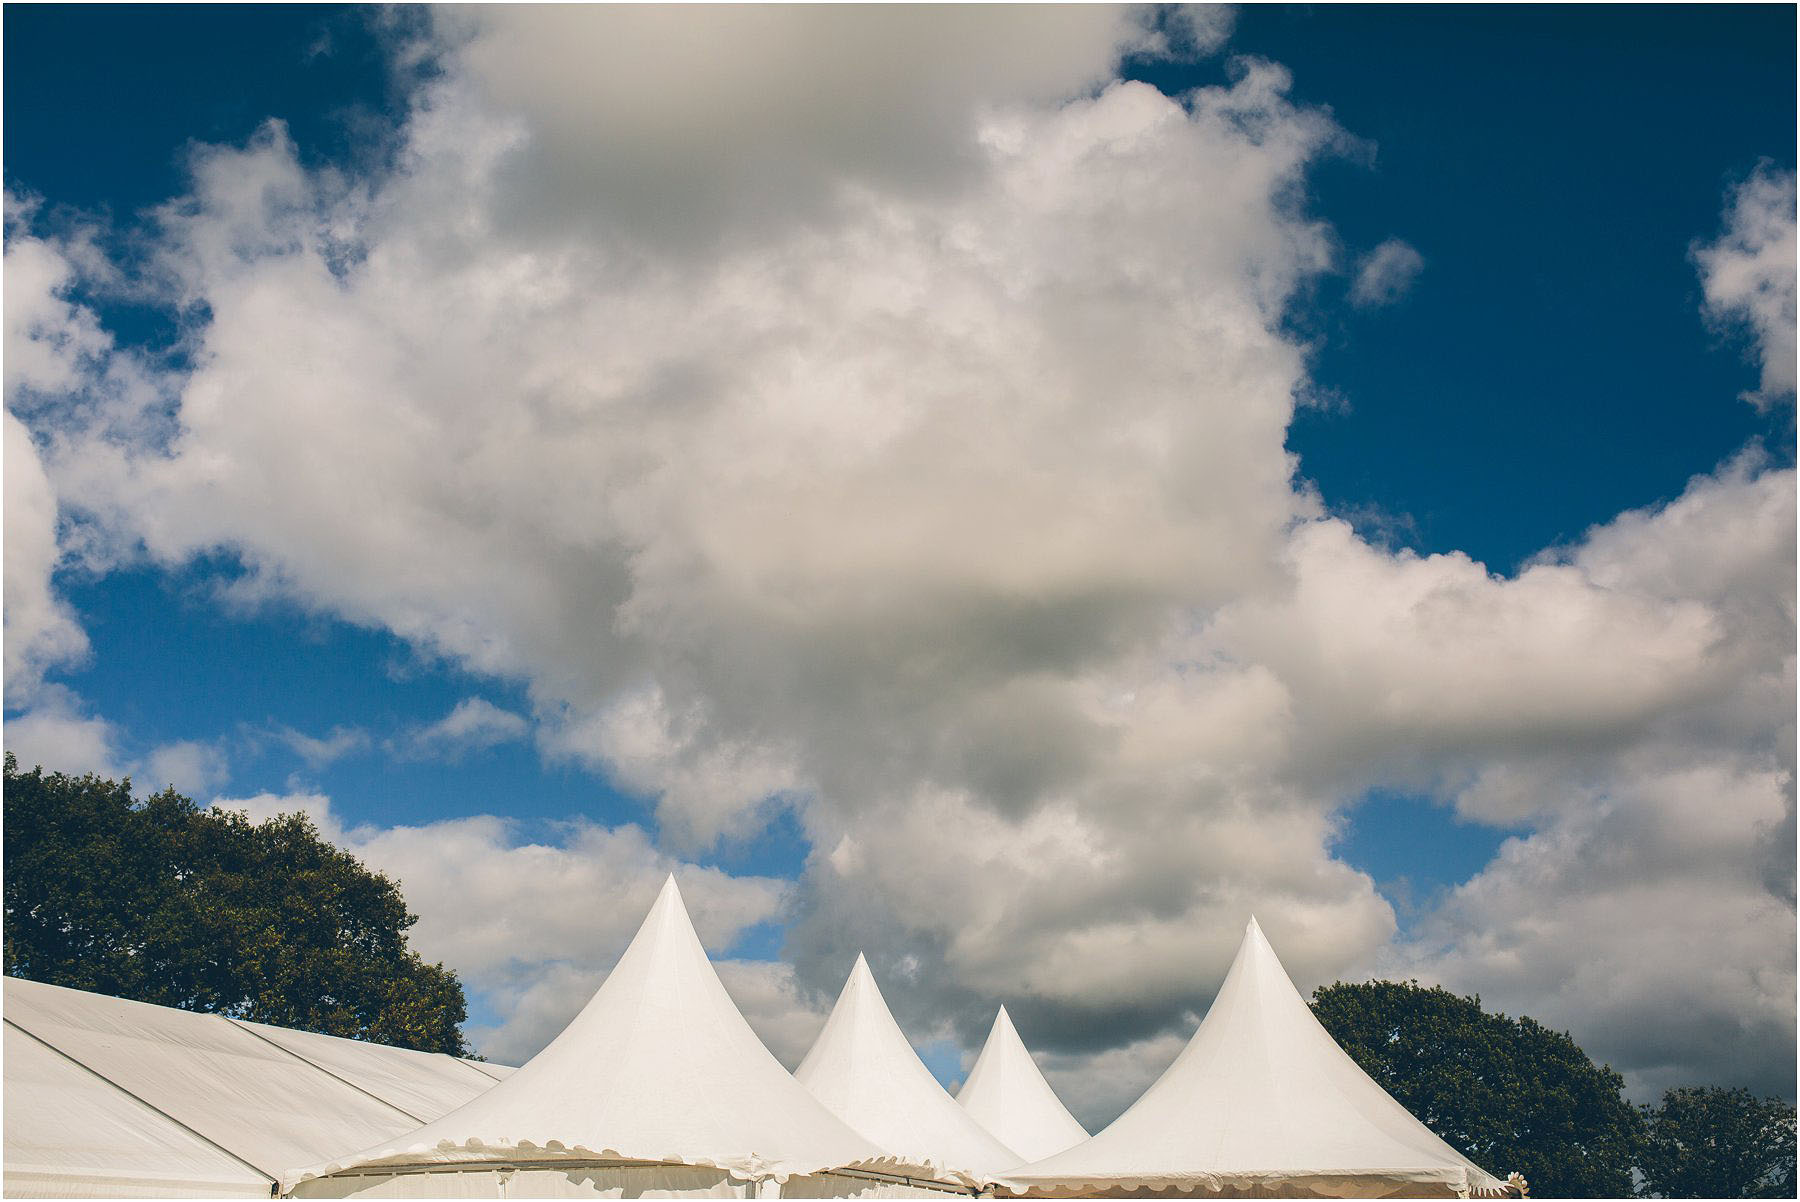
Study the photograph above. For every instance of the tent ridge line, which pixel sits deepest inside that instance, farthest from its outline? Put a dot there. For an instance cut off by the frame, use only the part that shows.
(274, 1182)
(471, 1066)
(244, 1027)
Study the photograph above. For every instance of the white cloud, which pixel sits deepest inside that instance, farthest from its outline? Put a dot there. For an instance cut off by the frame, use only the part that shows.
(50, 343)
(473, 724)
(60, 733)
(1386, 274)
(263, 806)
(1653, 911)
(1637, 920)
(1397, 660)
(952, 509)
(41, 630)
(59, 363)
(318, 751)
(188, 766)
(1748, 274)
(707, 788)
(50, 340)
(532, 927)
(58, 736)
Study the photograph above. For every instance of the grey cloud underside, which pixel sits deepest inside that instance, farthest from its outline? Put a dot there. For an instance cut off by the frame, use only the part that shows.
(948, 505)
(687, 130)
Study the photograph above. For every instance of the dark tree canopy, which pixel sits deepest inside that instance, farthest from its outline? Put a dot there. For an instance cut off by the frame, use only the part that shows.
(162, 901)
(1509, 1093)
(1719, 1143)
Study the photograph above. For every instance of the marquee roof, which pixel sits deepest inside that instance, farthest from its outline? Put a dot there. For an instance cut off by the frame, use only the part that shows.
(864, 1070)
(122, 1098)
(659, 1066)
(1008, 1096)
(1262, 1098)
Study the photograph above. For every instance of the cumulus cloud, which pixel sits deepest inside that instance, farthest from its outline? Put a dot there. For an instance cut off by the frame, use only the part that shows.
(59, 735)
(189, 766)
(531, 926)
(473, 724)
(60, 364)
(674, 124)
(950, 509)
(1385, 274)
(1592, 923)
(48, 341)
(1652, 911)
(708, 788)
(1748, 274)
(1401, 663)
(59, 732)
(41, 630)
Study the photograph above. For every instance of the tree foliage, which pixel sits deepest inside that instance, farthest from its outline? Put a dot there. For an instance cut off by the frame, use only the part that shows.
(1509, 1093)
(162, 901)
(1718, 1143)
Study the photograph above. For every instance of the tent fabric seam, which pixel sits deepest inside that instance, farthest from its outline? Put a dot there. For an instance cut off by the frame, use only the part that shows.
(245, 1027)
(273, 1180)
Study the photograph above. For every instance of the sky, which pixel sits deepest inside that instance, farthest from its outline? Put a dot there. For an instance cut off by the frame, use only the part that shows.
(1010, 491)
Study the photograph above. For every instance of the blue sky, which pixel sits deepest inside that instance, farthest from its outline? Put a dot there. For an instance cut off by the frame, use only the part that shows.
(1541, 362)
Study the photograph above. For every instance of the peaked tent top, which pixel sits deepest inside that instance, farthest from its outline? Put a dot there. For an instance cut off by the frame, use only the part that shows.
(658, 1066)
(1262, 1097)
(865, 1072)
(1007, 1094)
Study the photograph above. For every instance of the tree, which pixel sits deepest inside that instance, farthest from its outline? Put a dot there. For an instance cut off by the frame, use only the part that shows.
(1718, 1143)
(162, 901)
(1510, 1094)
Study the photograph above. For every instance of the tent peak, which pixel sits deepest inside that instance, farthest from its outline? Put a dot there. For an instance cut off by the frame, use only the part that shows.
(659, 1065)
(668, 907)
(863, 1068)
(1006, 1093)
(1285, 1109)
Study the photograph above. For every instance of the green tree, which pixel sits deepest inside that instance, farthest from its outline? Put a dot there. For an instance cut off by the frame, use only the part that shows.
(1718, 1143)
(162, 901)
(1509, 1093)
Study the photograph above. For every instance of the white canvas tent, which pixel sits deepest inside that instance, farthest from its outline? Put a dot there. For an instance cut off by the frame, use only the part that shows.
(657, 1088)
(1008, 1096)
(71, 1134)
(1261, 1102)
(863, 1070)
(113, 1098)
